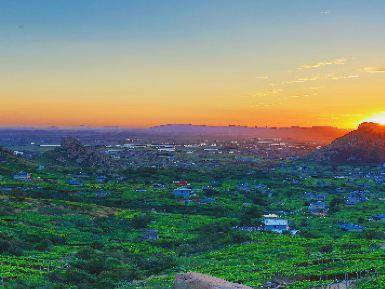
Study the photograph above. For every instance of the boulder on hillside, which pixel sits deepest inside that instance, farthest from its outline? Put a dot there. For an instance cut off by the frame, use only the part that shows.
(73, 152)
(194, 280)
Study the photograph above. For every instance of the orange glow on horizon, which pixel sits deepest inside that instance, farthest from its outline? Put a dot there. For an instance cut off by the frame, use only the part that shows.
(134, 64)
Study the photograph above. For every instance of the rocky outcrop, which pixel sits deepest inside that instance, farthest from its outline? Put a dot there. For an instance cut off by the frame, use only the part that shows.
(193, 280)
(73, 152)
(364, 145)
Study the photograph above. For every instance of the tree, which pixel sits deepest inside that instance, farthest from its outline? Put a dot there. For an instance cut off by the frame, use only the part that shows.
(250, 214)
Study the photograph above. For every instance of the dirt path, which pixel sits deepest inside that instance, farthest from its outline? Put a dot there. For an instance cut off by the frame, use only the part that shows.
(340, 285)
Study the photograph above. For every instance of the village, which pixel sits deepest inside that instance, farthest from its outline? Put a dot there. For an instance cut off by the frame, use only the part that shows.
(189, 199)
(316, 190)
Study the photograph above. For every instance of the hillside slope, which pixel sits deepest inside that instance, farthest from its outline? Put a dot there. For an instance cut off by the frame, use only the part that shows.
(364, 145)
(9, 163)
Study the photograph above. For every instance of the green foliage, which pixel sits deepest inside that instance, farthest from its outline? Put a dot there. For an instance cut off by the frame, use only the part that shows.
(56, 236)
(250, 214)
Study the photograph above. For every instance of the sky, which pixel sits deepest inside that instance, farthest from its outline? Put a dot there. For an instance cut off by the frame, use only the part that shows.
(139, 63)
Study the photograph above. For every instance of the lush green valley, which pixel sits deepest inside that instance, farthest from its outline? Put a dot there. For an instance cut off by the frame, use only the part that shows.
(131, 231)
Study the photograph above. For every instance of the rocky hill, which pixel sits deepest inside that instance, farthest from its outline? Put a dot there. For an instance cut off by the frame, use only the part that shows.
(364, 145)
(73, 152)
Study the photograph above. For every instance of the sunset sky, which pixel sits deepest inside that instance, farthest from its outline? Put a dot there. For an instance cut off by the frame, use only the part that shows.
(138, 63)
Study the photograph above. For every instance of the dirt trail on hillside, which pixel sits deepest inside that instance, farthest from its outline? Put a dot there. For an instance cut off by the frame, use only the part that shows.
(340, 285)
(194, 280)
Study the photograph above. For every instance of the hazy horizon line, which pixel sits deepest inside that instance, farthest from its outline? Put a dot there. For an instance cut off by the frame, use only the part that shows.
(85, 126)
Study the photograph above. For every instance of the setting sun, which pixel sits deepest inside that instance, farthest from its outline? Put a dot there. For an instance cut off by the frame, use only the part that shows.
(378, 118)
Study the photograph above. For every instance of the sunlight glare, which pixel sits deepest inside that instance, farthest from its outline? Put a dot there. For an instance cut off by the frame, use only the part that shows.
(378, 118)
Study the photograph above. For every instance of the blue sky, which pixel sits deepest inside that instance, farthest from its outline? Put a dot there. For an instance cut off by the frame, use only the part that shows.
(80, 49)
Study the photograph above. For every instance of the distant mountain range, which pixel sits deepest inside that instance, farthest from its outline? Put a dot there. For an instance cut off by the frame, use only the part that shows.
(324, 134)
(364, 145)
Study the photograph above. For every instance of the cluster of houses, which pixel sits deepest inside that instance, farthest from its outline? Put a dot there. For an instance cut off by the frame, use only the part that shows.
(318, 205)
(273, 223)
(185, 193)
(318, 208)
(163, 155)
(78, 179)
